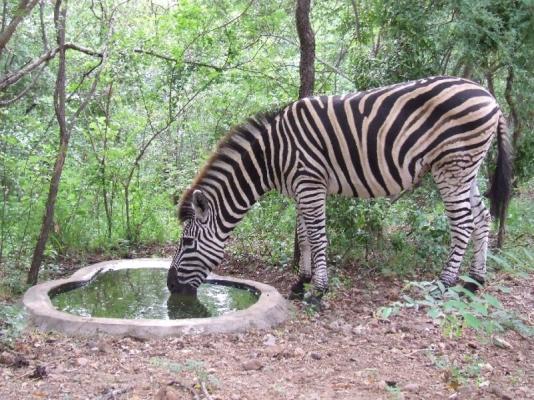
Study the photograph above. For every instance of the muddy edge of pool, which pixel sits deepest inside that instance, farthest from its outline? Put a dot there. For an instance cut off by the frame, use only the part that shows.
(270, 310)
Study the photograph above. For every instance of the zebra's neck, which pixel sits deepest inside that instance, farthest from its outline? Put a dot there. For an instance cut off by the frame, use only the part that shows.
(239, 172)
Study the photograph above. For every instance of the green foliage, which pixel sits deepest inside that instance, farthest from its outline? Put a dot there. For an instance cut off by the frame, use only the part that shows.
(178, 77)
(458, 372)
(12, 322)
(267, 231)
(191, 366)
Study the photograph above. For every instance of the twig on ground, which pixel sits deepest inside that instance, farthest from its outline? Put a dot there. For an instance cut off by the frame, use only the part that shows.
(205, 391)
(113, 394)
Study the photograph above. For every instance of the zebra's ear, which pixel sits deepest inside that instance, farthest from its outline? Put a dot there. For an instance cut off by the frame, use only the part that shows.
(200, 205)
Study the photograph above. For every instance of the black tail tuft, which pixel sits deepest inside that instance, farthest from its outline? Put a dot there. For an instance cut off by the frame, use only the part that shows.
(501, 181)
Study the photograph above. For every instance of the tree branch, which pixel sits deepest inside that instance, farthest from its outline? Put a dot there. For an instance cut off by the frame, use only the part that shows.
(4, 103)
(14, 77)
(320, 61)
(174, 60)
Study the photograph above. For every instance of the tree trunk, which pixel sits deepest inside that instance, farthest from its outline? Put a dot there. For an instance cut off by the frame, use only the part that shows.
(60, 14)
(516, 122)
(23, 9)
(307, 48)
(307, 74)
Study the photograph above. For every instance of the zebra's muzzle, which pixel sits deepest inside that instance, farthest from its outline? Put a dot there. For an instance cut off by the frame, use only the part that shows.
(176, 287)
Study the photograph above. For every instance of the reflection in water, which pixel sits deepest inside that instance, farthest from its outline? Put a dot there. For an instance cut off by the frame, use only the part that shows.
(179, 306)
(143, 294)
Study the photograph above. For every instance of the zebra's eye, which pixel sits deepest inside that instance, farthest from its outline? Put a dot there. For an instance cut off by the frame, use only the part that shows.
(188, 242)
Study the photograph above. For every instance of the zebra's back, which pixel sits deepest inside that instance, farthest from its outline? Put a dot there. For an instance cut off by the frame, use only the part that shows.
(380, 142)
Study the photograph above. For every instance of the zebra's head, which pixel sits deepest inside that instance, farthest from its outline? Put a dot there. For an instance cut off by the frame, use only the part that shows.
(200, 247)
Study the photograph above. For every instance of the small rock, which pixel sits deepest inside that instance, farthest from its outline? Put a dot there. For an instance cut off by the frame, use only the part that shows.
(500, 342)
(20, 362)
(411, 387)
(39, 372)
(275, 351)
(497, 391)
(252, 365)
(104, 347)
(472, 345)
(269, 340)
(167, 393)
(487, 367)
(93, 346)
(82, 362)
(316, 356)
(298, 352)
(7, 358)
(334, 326)
(358, 330)
(346, 329)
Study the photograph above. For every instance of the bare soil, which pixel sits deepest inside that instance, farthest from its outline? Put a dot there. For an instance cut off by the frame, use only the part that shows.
(343, 352)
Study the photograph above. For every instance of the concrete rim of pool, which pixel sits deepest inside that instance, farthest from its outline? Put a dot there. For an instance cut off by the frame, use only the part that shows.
(271, 308)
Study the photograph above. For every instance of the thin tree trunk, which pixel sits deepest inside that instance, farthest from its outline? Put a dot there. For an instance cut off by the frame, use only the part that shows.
(23, 9)
(490, 82)
(516, 122)
(307, 48)
(60, 15)
(108, 207)
(357, 21)
(307, 75)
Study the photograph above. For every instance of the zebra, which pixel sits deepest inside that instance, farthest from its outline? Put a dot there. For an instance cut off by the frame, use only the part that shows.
(368, 144)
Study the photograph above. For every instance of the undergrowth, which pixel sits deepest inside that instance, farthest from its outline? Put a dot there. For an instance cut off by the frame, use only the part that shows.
(458, 309)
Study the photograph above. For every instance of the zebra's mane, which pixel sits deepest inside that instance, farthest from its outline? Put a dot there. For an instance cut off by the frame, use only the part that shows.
(229, 142)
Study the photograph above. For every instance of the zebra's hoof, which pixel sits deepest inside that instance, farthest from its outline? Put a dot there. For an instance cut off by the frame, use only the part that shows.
(473, 287)
(314, 302)
(295, 295)
(297, 289)
(314, 299)
(437, 289)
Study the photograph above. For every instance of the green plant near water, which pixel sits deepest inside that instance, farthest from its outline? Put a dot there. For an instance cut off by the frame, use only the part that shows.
(459, 309)
(195, 367)
(12, 322)
(458, 373)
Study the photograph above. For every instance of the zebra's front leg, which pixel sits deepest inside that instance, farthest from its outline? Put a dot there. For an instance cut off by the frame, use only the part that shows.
(305, 270)
(313, 208)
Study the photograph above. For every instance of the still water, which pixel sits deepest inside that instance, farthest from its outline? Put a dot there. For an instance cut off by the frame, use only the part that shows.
(142, 294)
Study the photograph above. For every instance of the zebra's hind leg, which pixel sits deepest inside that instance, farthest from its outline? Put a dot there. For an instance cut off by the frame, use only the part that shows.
(305, 270)
(456, 195)
(481, 221)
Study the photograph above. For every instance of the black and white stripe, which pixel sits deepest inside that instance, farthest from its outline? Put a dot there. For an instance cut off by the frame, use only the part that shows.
(367, 144)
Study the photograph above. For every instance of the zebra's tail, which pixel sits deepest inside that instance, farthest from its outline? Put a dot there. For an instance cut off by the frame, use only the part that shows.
(501, 181)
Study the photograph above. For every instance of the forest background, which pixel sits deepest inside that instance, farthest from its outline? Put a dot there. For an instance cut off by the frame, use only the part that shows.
(132, 96)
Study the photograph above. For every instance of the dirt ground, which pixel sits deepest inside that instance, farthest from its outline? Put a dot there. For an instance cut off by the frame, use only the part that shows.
(344, 352)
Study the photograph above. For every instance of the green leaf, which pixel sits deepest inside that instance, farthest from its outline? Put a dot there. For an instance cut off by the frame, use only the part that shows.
(455, 305)
(468, 279)
(434, 312)
(472, 321)
(480, 308)
(492, 300)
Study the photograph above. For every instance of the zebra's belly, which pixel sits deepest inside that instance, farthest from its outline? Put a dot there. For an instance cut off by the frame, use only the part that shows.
(372, 185)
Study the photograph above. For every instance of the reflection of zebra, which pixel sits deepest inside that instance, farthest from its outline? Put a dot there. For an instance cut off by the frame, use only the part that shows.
(368, 144)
